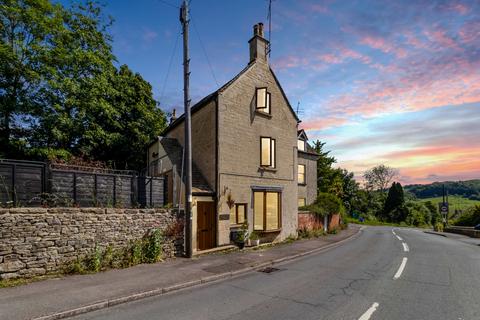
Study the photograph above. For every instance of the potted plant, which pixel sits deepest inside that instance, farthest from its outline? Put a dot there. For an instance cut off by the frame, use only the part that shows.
(242, 235)
(254, 239)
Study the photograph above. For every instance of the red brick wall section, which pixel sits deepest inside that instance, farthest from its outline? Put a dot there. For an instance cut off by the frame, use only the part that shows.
(334, 221)
(309, 221)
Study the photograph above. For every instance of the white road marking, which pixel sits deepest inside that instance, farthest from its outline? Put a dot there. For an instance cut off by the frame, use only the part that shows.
(393, 231)
(369, 312)
(399, 238)
(405, 247)
(400, 270)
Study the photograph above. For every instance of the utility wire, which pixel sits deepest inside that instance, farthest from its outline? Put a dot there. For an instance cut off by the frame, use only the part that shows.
(168, 4)
(174, 51)
(204, 51)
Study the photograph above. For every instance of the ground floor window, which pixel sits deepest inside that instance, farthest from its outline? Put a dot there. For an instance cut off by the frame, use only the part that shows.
(238, 214)
(302, 202)
(266, 210)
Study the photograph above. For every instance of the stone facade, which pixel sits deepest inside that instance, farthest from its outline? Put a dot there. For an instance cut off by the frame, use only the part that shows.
(38, 241)
(240, 128)
(309, 189)
(226, 142)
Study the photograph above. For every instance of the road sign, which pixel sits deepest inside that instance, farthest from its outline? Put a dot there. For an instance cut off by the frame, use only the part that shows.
(443, 206)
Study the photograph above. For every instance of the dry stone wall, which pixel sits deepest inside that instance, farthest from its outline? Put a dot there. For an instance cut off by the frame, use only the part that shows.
(38, 241)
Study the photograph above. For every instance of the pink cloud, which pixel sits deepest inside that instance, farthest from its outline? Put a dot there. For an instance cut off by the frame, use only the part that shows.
(439, 36)
(318, 8)
(383, 45)
(470, 32)
(323, 123)
(415, 85)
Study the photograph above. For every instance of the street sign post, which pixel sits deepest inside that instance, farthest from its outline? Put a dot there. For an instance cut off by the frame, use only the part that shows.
(443, 208)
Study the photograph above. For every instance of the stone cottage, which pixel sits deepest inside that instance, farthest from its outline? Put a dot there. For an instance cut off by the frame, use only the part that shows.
(250, 162)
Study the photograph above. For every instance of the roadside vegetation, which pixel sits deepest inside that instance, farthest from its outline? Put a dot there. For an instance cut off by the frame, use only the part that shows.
(383, 201)
(64, 96)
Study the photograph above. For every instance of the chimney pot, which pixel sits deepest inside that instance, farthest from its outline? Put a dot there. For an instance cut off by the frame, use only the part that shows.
(260, 29)
(173, 117)
(258, 44)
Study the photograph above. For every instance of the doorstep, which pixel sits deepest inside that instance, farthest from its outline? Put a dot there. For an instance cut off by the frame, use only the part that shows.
(228, 247)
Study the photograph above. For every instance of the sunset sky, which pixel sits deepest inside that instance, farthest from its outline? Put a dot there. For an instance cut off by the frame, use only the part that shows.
(393, 82)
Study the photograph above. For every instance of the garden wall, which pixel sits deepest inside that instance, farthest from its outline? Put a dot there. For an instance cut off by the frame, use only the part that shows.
(310, 221)
(38, 241)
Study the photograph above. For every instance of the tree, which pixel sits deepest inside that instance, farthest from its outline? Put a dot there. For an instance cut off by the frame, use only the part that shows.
(26, 30)
(395, 199)
(325, 172)
(60, 92)
(379, 177)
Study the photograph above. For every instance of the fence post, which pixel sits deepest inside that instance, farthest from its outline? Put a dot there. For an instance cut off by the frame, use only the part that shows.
(134, 189)
(75, 187)
(95, 193)
(114, 190)
(151, 192)
(14, 194)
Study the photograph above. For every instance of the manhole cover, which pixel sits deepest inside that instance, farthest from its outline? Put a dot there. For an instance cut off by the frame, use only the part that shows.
(268, 270)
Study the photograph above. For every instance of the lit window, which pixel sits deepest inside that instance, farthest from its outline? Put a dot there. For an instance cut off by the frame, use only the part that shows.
(263, 100)
(266, 210)
(302, 202)
(238, 215)
(301, 145)
(301, 174)
(267, 152)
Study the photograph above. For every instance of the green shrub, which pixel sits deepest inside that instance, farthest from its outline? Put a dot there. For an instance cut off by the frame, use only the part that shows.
(326, 204)
(470, 218)
(418, 214)
(94, 262)
(152, 246)
(75, 267)
(438, 227)
(333, 231)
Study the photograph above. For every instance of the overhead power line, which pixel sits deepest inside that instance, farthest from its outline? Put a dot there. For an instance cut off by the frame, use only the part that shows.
(203, 49)
(174, 51)
(169, 4)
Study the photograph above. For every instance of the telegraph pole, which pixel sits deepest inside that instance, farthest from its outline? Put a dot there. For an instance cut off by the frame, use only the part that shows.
(185, 19)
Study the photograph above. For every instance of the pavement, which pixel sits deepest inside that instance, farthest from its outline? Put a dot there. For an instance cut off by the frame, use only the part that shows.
(73, 295)
(384, 273)
(457, 237)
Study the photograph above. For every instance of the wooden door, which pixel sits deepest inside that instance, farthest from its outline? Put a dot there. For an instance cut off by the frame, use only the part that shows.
(205, 225)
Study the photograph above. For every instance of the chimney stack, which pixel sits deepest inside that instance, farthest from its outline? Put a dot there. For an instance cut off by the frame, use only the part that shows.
(258, 44)
(173, 117)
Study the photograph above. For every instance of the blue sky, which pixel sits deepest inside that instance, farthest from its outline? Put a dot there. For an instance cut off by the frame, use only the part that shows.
(393, 82)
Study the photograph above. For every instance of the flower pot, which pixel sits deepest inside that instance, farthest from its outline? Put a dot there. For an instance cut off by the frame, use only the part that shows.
(241, 245)
(255, 243)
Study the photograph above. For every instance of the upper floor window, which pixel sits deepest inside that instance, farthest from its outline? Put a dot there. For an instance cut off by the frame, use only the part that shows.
(301, 144)
(263, 100)
(301, 174)
(267, 152)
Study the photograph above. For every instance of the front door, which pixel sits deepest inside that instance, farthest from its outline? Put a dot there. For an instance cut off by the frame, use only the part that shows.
(205, 225)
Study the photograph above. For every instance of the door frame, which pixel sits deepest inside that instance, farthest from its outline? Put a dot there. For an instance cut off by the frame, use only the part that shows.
(197, 199)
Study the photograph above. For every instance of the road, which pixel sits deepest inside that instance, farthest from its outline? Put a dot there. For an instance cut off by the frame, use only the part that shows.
(384, 273)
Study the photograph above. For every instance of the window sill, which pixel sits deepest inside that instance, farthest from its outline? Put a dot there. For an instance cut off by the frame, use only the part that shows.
(268, 231)
(263, 114)
(302, 184)
(236, 226)
(268, 169)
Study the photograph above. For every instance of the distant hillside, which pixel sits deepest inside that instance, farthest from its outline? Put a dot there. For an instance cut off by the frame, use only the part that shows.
(469, 189)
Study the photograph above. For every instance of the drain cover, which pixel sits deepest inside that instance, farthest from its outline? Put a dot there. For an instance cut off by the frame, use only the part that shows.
(268, 270)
